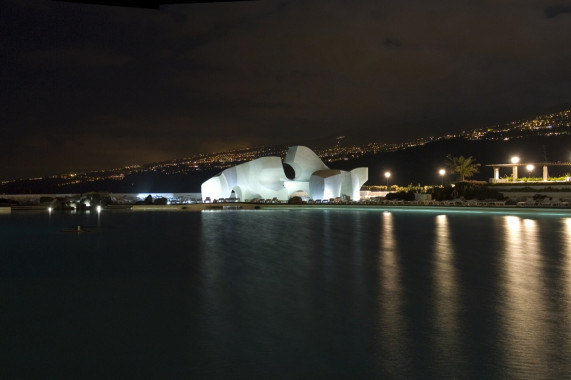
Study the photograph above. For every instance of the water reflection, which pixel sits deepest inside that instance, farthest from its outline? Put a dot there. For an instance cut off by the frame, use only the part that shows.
(523, 306)
(392, 324)
(389, 250)
(328, 247)
(356, 238)
(441, 295)
(565, 284)
(566, 232)
(446, 321)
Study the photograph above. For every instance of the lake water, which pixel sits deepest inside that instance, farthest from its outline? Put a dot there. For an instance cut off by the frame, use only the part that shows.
(286, 294)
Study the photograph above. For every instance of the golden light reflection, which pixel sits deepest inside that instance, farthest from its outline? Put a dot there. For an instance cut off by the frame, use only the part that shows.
(388, 240)
(524, 298)
(391, 313)
(446, 296)
(443, 254)
(566, 241)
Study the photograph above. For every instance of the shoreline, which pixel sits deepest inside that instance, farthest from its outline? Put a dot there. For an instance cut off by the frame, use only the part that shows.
(241, 206)
(403, 207)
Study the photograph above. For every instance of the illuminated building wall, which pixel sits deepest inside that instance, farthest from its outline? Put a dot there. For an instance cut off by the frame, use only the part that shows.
(265, 178)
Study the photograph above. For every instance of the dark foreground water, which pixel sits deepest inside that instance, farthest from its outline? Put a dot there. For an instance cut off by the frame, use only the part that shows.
(285, 294)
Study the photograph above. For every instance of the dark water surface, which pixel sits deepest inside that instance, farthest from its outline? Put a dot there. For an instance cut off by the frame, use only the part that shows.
(285, 294)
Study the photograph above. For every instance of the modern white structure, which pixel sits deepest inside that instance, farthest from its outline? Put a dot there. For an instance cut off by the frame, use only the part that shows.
(264, 178)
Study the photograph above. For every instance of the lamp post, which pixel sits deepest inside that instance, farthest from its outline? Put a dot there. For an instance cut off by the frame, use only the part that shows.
(442, 172)
(530, 168)
(387, 176)
(515, 161)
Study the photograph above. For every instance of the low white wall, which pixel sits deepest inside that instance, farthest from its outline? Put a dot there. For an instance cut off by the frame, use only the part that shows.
(522, 196)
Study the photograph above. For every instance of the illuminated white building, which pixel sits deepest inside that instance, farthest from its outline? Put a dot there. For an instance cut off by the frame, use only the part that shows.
(264, 178)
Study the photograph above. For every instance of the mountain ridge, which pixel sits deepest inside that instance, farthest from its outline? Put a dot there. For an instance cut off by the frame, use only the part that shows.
(541, 138)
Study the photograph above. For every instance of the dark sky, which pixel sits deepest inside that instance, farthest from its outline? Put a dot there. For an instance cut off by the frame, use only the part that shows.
(91, 86)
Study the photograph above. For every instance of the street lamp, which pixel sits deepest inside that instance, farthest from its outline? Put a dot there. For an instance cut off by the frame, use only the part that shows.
(387, 176)
(515, 161)
(530, 168)
(442, 172)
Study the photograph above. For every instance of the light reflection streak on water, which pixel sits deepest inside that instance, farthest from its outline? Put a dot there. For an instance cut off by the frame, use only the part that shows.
(212, 274)
(446, 297)
(566, 241)
(391, 325)
(523, 301)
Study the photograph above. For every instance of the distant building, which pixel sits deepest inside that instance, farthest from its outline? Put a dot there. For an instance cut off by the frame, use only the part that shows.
(265, 178)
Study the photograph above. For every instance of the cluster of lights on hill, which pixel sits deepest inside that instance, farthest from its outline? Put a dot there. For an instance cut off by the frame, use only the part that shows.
(555, 124)
(545, 125)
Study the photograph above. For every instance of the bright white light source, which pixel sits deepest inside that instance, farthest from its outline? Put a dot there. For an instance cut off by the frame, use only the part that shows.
(515, 159)
(442, 171)
(98, 208)
(530, 167)
(387, 174)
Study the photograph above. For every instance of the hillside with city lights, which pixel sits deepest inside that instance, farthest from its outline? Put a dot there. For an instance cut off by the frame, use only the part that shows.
(542, 138)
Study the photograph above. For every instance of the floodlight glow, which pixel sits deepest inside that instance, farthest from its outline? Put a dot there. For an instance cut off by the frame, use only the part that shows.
(264, 178)
(98, 208)
(387, 174)
(515, 159)
(530, 167)
(442, 171)
(49, 209)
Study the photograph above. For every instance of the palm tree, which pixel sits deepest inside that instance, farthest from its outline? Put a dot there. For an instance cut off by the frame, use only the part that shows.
(464, 167)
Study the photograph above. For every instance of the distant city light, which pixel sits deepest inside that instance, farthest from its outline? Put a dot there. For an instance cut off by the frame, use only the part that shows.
(555, 124)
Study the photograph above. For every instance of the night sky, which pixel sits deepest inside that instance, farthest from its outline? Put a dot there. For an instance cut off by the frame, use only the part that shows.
(90, 86)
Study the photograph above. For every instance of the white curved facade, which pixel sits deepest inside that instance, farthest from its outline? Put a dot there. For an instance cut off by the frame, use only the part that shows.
(265, 178)
(260, 178)
(304, 162)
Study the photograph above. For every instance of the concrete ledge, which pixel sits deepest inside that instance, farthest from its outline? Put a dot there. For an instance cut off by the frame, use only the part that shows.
(198, 207)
